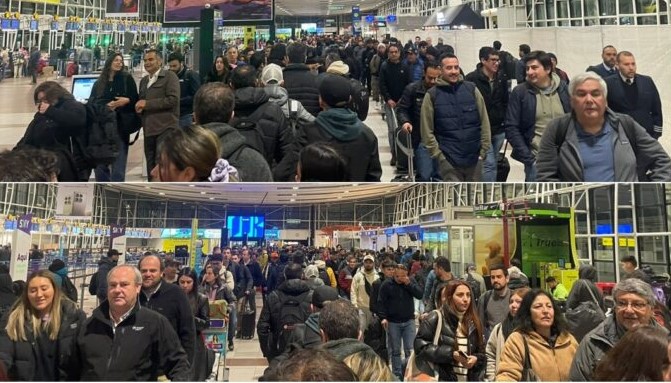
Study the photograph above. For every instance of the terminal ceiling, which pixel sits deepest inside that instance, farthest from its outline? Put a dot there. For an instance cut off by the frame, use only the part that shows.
(322, 7)
(262, 194)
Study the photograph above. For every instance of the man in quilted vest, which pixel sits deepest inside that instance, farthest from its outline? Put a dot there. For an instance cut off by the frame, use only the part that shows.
(455, 125)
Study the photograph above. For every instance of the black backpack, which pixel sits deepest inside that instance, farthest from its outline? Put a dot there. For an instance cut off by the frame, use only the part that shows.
(248, 127)
(93, 284)
(360, 99)
(294, 310)
(100, 141)
(324, 275)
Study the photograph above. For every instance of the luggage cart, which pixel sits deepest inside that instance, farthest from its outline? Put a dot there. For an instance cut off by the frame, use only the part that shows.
(216, 339)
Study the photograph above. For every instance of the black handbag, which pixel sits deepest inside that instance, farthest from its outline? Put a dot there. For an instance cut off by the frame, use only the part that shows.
(528, 374)
(502, 165)
(586, 317)
(128, 123)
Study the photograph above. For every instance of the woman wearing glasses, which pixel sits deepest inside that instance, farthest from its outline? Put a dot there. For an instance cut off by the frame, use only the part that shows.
(541, 345)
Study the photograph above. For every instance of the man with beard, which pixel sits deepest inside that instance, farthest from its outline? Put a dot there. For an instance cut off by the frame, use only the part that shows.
(374, 335)
(608, 67)
(634, 303)
(362, 284)
(168, 300)
(493, 307)
(443, 271)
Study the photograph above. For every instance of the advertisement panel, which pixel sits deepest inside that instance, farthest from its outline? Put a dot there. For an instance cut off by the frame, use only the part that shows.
(74, 201)
(118, 240)
(18, 267)
(544, 243)
(122, 8)
(489, 245)
(188, 11)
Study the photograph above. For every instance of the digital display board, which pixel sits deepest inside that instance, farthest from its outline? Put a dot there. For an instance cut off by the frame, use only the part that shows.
(251, 225)
(188, 11)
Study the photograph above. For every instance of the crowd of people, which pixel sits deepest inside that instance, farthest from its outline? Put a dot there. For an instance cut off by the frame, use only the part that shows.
(369, 315)
(276, 110)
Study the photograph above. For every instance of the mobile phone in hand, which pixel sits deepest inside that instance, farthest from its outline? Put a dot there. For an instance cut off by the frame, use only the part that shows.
(463, 354)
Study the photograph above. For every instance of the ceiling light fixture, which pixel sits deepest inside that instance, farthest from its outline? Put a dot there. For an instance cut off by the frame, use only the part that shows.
(203, 193)
(211, 198)
(295, 187)
(161, 193)
(292, 200)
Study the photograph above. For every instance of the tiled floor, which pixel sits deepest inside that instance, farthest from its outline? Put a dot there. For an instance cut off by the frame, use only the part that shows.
(17, 109)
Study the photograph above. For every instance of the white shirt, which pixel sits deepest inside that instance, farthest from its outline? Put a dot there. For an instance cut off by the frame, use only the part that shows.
(629, 81)
(153, 79)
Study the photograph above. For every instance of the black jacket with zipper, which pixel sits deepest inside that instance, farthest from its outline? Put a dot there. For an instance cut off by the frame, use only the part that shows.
(142, 344)
(20, 357)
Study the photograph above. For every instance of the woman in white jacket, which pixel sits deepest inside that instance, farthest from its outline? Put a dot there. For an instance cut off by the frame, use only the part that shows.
(500, 333)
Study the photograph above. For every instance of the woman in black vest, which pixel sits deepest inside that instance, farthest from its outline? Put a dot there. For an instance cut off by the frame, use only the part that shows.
(116, 87)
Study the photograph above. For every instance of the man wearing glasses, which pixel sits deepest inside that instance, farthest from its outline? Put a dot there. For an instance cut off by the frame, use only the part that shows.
(634, 303)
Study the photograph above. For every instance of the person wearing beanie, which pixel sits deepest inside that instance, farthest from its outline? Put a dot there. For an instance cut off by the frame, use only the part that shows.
(61, 277)
(359, 101)
(342, 130)
(311, 275)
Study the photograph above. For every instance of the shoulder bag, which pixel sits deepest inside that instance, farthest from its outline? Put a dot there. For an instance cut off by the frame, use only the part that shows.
(412, 372)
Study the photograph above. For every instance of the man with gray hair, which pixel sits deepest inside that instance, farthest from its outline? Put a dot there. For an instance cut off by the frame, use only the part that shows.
(634, 302)
(595, 144)
(124, 341)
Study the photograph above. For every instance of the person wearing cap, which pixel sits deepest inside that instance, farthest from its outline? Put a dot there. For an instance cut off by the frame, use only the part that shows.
(341, 128)
(104, 266)
(393, 80)
(366, 56)
(271, 127)
(273, 81)
(361, 287)
(359, 101)
(62, 280)
(415, 65)
(455, 125)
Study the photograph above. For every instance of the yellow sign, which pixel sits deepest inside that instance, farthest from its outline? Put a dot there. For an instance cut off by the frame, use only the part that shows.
(250, 32)
(56, 2)
(622, 242)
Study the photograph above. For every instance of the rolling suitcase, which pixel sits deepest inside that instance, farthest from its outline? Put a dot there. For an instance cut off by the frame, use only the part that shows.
(502, 165)
(247, 320)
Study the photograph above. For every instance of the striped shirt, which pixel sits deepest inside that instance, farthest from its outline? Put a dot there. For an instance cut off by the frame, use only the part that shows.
(462, 343)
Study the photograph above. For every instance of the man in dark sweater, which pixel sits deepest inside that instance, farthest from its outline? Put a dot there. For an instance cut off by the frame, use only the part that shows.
(396, 307)
(393, 80)
(168, 300)
(493, 306)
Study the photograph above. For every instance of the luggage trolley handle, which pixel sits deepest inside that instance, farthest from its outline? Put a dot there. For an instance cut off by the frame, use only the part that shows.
(406, 149)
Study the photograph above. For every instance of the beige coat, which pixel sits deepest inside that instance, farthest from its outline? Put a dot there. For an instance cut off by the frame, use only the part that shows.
(549, 364)
(358, 295)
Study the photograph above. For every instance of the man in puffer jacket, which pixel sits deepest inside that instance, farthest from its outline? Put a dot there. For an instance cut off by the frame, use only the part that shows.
(341, 128)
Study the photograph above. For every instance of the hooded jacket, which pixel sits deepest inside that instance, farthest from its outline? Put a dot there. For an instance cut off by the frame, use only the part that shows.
(19, 357)
(355, 142)
(268, 327)
(302, 86)
(251, 164)
(561, 162)
(142, 344)
(441, 355)
(595, 345)
(358, 293)
(549, 362)
(580, 292)
(104, 266)
(278, 139)
(280, 97)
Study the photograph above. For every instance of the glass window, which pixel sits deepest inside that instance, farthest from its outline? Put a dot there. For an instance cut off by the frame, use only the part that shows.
(606, 7)
(601, 209)
(626, 6)
(581, 244)
(576, 8)
(603, 249)
(647, 20)
(591, 8)
(581, 223)
(646, 6)
(652, 249)
(605, 271)
(650, 208)
(624, 194)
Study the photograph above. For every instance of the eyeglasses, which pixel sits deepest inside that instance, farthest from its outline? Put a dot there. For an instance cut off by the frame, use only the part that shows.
(638, 306)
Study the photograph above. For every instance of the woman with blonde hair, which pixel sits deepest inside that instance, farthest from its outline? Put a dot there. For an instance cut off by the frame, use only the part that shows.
(191, 154)
(37, 335)
(460, 352)
(369, 367)
(500, 333)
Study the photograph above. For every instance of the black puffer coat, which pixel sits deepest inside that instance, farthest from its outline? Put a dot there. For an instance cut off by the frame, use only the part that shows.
(7, 297)
(19, 357)
(441, 355)
(302, 86)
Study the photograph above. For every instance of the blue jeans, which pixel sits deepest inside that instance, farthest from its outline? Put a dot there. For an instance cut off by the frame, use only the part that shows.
(426, 167)
(491, 158)
(530, 172)
(85, 66)
(396, 333)
(118, 171)
(232, 323)
(185, 121)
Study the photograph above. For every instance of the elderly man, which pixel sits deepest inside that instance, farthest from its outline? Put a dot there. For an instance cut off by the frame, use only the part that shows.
(595, 144)
(634, 302)
(124, 341)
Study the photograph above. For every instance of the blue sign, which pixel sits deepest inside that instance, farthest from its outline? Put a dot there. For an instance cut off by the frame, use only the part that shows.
(356, 20)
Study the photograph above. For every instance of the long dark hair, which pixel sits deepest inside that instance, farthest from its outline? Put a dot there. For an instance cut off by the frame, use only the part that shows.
(193, 294)
(214, 75)
(53, 92)
(526, 325)
(105, 74)
(641, 355)
(470, 315)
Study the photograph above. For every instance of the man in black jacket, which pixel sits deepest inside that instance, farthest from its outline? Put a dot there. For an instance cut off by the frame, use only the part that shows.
(299, 81)
(286, 307)
(493, 86)
(636, 95)
(408, 112)
(255, 272)
(396, 307)
(104, 266)
(168, 300)
(258, 119)
(609, 65)
(213, 108)
(123, 341)
(341, 128)
(393, 79)
(189, 83)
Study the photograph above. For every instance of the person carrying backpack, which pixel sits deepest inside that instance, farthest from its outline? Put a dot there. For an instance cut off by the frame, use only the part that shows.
(285, 308)
(476, 281)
